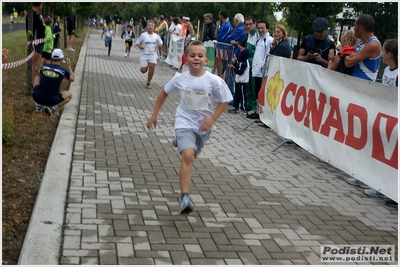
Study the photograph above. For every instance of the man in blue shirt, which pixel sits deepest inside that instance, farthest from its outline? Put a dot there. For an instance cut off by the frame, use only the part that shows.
(222, 31)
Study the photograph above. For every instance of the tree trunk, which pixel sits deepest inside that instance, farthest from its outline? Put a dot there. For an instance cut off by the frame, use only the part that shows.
(65, 32)
(29, 51)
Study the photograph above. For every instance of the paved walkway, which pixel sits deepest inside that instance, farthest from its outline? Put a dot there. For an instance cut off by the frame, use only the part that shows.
(252, 206)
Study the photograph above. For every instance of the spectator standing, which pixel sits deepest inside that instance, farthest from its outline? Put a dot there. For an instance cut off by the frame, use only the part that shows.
(237, 37)
(38, 33)
(177, 27)
(161, 30)
(336, 62)
(46, 90)
(222, 30)
(172, 25)
(129, 36)
(109, 34)
(49, 44)
(143, 24)
(209, 28)
(71, 30)
(280, 45)
(56, 31)
(337, 43)
(132, 23)
(195, 115)
(367, 58)
(315, 47)
(241, 67)
(390, 57)
(148, 42)
(11, 21)
(263, 46)
(252, 37)
(156, 22)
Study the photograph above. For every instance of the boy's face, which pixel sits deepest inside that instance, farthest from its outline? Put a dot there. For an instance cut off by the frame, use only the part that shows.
(150, 27)
(196, 57)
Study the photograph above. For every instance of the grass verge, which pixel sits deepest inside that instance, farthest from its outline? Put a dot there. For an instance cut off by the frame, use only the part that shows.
(29, 136)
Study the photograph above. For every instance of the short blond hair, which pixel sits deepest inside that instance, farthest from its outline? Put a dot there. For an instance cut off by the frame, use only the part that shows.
(193, 43)
(283, 29)
(349, 38)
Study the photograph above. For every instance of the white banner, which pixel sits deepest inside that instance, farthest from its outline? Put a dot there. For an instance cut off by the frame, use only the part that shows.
(349, 122)
(175, 51)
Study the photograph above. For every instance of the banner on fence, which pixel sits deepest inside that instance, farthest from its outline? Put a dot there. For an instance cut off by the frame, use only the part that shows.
(348, 122)
(210, 55)
(175, 51)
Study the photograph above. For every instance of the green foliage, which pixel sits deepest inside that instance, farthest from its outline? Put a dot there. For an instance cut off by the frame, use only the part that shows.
(300, 15)
(385, 15)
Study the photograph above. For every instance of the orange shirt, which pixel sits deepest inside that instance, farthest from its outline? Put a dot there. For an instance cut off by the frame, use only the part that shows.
(184, 29)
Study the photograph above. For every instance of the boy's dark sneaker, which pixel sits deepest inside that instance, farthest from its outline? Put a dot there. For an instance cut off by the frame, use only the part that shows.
(391, 203)
(233, 110)
(48, 111)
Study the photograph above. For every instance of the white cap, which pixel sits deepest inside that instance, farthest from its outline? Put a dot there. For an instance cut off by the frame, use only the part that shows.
(57, 54)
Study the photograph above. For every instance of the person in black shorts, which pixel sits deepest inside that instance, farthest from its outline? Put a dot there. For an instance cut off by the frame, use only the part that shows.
(71, 31)
(46, 88)
(129, 36)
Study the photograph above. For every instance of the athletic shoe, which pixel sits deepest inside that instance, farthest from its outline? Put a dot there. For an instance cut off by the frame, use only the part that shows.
(233, 110)
(239, 112)
(38, 108)
(174, 142)
(71, 49)
(148, 85)
(186, 205)
(356, 182)
(126, 54)
(48, 111)
(373, 193)
(391, 203)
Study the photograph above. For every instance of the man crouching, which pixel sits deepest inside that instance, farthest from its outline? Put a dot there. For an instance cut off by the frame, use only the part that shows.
(46, 87)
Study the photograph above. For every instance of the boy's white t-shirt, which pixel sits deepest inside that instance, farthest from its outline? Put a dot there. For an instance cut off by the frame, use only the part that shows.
(150, 43)
(198, 95)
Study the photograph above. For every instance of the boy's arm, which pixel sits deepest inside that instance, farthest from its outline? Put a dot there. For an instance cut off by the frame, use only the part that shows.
(160, 101)
(209, 122)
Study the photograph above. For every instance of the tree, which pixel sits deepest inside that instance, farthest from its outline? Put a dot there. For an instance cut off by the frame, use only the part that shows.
(300, 15)
(385, 15)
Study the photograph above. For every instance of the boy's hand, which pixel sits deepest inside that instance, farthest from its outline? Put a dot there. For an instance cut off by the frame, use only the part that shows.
(152, 122)
(207, 124)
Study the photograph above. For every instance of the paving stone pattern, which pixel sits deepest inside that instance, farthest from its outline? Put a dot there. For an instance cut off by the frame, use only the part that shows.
(252, 206)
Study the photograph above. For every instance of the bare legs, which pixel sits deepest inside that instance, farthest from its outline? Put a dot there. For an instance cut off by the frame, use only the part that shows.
(185, 171)
(151, 67)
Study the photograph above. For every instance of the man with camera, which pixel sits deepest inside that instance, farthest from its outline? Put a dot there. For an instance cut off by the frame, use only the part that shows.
(315, 47)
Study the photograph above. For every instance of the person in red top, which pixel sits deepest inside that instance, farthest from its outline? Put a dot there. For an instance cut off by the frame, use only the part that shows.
(349, 40)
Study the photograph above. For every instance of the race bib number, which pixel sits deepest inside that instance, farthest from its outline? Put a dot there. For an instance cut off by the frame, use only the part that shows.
(148, 50)
(108, 34)
(195, 100)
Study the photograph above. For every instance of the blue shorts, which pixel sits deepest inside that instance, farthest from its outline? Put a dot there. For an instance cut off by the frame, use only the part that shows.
(191, 138)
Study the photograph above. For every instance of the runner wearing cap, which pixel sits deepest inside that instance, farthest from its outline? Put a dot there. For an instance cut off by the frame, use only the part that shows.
(46, 87)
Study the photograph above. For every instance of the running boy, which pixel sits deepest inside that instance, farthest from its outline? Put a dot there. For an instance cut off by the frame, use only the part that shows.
(129, 35)
(148, 42)
(109, 33)
(195, 114)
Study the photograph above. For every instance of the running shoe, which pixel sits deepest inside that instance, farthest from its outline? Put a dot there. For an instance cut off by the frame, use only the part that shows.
(391, 203)
(373, 193)
(186, 205)
(48, 111)
(148, 85)
(356, 182)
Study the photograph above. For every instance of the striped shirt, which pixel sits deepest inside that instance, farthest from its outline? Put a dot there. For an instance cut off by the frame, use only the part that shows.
(368, 68)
